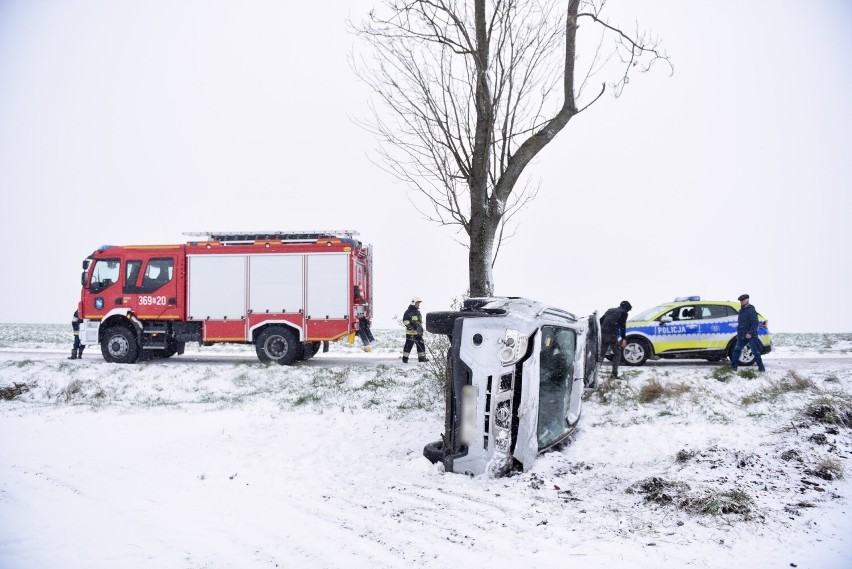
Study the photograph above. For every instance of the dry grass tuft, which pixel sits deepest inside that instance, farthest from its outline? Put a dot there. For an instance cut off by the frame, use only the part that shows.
(12, 391)
(831, 409)
(829, 469)
(790, 383)
(654, 390)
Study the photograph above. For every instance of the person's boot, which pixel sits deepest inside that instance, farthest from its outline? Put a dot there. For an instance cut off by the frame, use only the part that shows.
(422, 359)
(80, 353)
(73, 354)
(405, 359)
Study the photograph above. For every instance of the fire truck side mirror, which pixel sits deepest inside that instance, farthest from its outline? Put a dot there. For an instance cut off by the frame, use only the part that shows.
(83, 279)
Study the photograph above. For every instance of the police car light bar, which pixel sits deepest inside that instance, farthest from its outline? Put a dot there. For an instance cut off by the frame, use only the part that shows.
(687, 298)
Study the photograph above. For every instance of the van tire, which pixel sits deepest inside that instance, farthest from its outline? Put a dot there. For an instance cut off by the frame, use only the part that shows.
(442, 322)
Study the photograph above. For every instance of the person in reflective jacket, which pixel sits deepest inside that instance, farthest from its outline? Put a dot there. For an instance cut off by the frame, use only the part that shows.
(413, 322)
(613, 332)
(747, 329)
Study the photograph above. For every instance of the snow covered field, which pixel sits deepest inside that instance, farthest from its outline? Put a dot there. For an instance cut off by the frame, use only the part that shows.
(213, 460)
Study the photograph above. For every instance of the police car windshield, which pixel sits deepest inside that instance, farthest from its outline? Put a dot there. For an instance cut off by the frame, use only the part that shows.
(650, 313)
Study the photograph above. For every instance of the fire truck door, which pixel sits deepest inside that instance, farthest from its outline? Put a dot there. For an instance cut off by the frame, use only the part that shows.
(328, 296)
(156, 297)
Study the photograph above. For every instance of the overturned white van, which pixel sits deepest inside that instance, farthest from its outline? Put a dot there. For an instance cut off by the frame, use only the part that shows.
(516, 374)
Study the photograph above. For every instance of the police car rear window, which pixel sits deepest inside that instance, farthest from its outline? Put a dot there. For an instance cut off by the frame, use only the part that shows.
(717, 311)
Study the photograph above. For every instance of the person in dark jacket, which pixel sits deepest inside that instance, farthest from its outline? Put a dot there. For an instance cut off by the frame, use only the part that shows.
(613, 332)
(77, 350)
(747, 330)
(413, 322)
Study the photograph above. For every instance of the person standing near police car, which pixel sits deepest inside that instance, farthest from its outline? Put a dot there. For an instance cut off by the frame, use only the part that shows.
(413, 322)
(747, 330)
(77, 350)
(613, 333)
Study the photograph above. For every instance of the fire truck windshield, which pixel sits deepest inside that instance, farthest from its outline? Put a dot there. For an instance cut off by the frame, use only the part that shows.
(104, 274)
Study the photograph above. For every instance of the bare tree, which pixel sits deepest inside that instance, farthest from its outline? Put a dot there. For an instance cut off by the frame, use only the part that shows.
(473, 90)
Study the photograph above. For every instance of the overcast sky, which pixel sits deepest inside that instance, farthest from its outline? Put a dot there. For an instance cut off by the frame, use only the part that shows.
(128, 122)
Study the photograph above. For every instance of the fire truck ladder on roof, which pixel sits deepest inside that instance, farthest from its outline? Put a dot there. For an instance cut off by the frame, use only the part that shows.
(236, 237)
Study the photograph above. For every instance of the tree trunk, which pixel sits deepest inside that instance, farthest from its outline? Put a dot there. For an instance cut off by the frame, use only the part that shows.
(481, 255)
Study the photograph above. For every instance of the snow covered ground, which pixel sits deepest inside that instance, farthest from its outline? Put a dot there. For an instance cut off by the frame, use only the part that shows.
(213, 460)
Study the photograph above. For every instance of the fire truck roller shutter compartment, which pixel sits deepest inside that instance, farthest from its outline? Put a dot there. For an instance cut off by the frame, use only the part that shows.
(216, 287)
(276, 283)
(328, 286)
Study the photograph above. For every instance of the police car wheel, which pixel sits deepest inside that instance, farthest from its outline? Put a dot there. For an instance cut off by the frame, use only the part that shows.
(746, 356)
(635, 353)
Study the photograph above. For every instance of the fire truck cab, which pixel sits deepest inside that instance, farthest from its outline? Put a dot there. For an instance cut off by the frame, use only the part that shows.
(287, 293)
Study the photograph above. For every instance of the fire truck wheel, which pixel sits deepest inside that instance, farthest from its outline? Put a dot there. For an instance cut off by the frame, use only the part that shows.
(277, 344)
(310, 349)
(171, 349)
(119, 345)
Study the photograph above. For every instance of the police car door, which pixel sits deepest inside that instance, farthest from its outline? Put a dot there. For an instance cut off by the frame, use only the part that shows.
(678, 330)
(718, 325)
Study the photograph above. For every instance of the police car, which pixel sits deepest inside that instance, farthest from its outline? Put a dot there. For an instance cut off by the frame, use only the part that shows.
(689, 328)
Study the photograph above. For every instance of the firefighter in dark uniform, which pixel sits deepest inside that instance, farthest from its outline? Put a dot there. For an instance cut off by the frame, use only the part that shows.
(77, 350)
(413, 322)
(613, 331)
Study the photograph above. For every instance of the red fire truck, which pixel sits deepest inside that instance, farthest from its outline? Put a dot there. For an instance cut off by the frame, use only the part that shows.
(288, 293)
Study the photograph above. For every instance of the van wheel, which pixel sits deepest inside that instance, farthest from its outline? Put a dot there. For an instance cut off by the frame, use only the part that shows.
(277, 344)
(636, 352)
(434, 451)
(442, 322)
(119, 345)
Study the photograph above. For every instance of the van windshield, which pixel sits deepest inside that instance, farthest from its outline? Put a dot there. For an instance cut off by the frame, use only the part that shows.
(556, 363)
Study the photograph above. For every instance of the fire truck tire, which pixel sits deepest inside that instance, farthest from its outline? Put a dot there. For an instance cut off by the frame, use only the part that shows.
(172, 348)
(119, 345)
(310, 349)
(277, 344)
